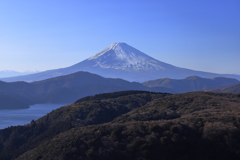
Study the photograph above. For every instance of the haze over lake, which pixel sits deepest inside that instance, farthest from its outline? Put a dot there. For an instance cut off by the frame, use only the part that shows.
(25, 116)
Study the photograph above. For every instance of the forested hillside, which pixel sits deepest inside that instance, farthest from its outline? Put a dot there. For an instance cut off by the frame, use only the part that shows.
(132, 125)
(235, 88)
(191, 84)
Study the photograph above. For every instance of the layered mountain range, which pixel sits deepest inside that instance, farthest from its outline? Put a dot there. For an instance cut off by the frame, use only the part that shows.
(65, 89)
(120, 60)
(124, 125)
(69, 88)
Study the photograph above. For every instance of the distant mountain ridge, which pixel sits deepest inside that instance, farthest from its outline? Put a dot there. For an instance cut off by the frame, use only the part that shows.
(120, 60)
(68, 88)
(11, 73)
(191, 84)
(235, 88)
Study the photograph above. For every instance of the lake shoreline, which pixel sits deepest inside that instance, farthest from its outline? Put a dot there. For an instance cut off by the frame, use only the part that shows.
(14, 117)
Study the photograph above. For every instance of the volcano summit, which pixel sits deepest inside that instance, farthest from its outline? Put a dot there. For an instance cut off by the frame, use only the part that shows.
(122, 56)
(120, 60)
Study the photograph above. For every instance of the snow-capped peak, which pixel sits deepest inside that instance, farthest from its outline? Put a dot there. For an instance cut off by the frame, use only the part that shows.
(111, 47)
(125, 57)
(8, 71)
(31, 71)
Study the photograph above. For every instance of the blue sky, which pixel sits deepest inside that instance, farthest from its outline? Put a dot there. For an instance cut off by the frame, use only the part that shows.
(48, 34)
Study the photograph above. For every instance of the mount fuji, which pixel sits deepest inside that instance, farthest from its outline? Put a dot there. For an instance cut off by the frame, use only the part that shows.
(120, 60)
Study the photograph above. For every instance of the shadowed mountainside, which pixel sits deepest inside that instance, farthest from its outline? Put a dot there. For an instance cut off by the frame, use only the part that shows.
(7, 102)
(69, 88)
(87, 111)
(132, 125)
(235, 88)
(190, 84)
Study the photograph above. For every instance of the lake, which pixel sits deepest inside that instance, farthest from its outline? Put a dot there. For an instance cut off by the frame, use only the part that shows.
(25, 116)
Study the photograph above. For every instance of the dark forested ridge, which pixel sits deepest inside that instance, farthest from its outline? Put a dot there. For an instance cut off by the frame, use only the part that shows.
(190, 84)
(7, 102)
(132, 125)
(235, 88)
(69, 88)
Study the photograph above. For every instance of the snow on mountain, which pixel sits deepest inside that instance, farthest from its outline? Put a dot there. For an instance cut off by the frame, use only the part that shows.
(122, 56)
(11, 73)
(8, 71)
(31, 71)
(120, 60)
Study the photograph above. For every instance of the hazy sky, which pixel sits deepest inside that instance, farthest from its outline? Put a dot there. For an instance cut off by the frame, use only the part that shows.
(47, 34)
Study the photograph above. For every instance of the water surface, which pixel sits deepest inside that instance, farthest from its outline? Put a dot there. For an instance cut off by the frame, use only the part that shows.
(25, 116)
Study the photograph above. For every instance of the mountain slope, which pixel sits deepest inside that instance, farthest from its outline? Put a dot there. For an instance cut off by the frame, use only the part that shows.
(141, 125)
(124, 57)
(235, 88)
(69, 88)
(120, 60)
(202, 131)
(7, 102)
(90, 110)
(191, 84)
